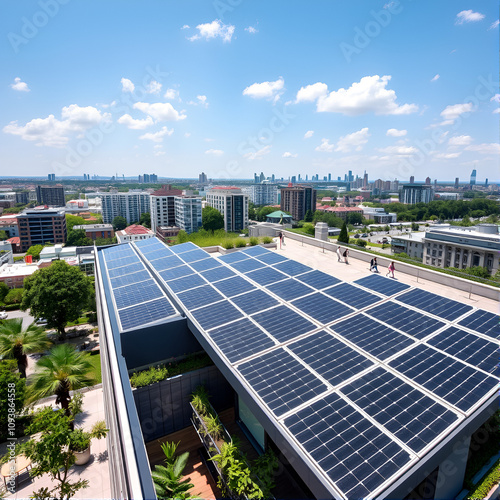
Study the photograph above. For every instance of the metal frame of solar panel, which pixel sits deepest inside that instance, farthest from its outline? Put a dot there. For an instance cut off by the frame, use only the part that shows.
(381, 284)
(352, 295)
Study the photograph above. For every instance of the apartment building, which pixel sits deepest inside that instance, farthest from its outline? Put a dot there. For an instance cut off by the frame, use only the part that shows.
(188, 213)
(130, 205)
(264, 194)
(162, 207)
(52, 196)
(232, 203)
(94, 231)
(40, 226)
(297, 200)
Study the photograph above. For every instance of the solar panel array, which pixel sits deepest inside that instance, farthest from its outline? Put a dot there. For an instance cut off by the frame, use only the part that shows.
(365, 377)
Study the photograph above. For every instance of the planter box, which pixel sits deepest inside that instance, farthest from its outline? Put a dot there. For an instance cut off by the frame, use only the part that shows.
(82, 457)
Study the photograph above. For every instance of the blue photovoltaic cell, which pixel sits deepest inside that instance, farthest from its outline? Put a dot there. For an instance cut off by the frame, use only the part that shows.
(434, 304)
(322, 308)
(176, 272)
(167, 263)
(413, 323)
(467, 347)
(289, 289)
(452, 380)
(331, 358)
(205, 264)
(483, 322)
(270, 258)
(283, 323)
(256, 251)
(201, 296)
(355, 297)
(158, 254)
(266, 275)
(122, 271)
(217, 273)
(255, 301)
(377, 339)
(291, 267)
(317, 279)
(149, 243)
(143, 314)
(281, 381)
(233, 286)
(184, 247)
(244, 266)
(353, 452)
(136, 293)
(125, 261)
(186, 283)
(194, 255)
(111, 254)
(240, 339)
(128, 279)
(409, 414)
(233, 257)
(123, 248)
(381, 284)
(218, 314)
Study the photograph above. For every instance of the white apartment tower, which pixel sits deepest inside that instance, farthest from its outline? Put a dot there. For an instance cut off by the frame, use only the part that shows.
(162, 207)
(130, 205)
(232, 204)
(188, 213)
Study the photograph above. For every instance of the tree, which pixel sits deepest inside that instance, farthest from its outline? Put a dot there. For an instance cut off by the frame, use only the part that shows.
(59, 293)
(78, 238)
(252, 213)
(4, 290)
(3, 235)
(182, 236)
(145, 219)
(308, 217)
(14, 296)
(17, 342)
(74, 220)
(263, 212)
(212, 219)
(119, 223)
(355, 218)
(35, 251)
(62, 371)
(10, 383)
(343, 236)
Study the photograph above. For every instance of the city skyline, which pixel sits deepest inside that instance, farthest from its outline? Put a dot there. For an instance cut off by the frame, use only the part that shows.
(233, 88)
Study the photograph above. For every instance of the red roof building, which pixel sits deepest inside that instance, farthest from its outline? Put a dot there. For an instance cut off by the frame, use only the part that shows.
(134, 232)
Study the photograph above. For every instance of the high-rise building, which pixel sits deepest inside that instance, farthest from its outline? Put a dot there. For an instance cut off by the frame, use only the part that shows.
(51, 177)
(365, 180)
(473, 178)
(329, 177)
(52, 196)
(457, 182)
(297, 200)
(416, 193)
(293, 179)
(262, 177)
(412, 179)
(264, 194)
(130, 205)
(188, 213)
(202, 178)
(486, 182)
(40, 226)
(162, 207)
(427, 181)
(232, 204)
(22, 197)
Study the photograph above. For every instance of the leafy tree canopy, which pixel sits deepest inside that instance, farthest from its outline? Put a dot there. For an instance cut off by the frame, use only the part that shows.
(212, 219)
(74, 220)
(263, 212)
(343, 236)
(35, 251)
(7, 377)
(77, 237)
(4, 290)
(145, 219)
(119, 223)
(3, 235)
(14, 296)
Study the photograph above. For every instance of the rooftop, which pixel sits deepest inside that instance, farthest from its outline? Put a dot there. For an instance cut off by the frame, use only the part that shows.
(136, 229)
(166, 190)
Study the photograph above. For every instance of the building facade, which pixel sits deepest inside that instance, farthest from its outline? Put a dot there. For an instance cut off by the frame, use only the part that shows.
(130, 205)
(297, 200)
(9, 225)
(52, 196)
(162, 207)
(188, 213)
(135, 232)
(94, 231)
(40, 226)
(264, 194)
(417, 193)
(232, 204)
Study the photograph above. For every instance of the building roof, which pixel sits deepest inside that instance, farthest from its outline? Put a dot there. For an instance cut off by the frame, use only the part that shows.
(278, 214)
(225, 187)
(166, 190)
(136, 229)
(15, 240)
(8, 221)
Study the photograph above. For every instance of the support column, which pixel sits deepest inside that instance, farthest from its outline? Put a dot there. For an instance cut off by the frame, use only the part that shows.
(481, 259)
(469, 259)
(461, 259)
(453, 255)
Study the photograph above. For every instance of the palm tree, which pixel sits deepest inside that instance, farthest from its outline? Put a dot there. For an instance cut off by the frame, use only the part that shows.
(62, 371)
(16, 342)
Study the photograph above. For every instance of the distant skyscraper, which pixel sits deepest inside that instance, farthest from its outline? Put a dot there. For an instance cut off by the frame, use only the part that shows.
(435, 183)
(473, 178)
(427, 181)
(412, 179)
(486, 183)
(256, 178)
(202, 178)
(50, 196)
(350, 177)
(52, 177)
(329, 177)
(365, 180)
(262, 177)
(294, 179)
(457, 182)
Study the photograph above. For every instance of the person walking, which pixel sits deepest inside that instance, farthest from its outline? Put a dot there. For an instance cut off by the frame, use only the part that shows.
(391, 269)
(374, 265)
(339, 254)
(281, 238)
(346, 255)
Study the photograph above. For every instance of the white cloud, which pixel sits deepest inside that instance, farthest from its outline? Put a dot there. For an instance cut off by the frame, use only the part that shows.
(130, 122)
(394, 132)
(308, 134)
(127, 85)
(157, 136)
(496, 110)
(257, 155)
(485, 149)
(460, 140)
(185, 27)
(252, 30)
(215, 29)
(494, 25)
(287, 154)
(368, 95)
(214, 152)
(325, 146)
(19, 85)
(435, 77)
(159, 153)
(187, 134)
(202, 99)
(468, 16)
(153, 87)
(495, 98)
(310, 93)
(355, 141)
(160, 111)
(171, 94)
(266, 90)
(447, 156)
(399, 150)
(452, 112)
(56, 133)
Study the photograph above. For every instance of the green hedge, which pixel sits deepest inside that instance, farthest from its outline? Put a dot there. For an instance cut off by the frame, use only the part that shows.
(483, 487)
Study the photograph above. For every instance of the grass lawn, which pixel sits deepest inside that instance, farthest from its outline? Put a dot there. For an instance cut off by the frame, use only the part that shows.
(95, 359)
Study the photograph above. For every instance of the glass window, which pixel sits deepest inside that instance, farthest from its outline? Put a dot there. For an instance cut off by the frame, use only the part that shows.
(251, 423)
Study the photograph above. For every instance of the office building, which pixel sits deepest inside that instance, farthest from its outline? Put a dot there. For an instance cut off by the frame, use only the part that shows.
(264, 194)
(94, 231)
(8, 223)
(297, 200)
(7, 199)
(135, 232)
(427, 181)
(202, 178)
(162, 206)
(473, 178)
(22, 197)
(40, 226)
(52, 196)
(148, 179)
(457, 182)
(51, 177)
(130, 205)
(232, 204)
(188, 213)
(416, 193)
(412, 179)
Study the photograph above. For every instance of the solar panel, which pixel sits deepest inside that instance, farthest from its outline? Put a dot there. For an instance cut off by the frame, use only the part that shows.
(186, 283)
(128, 279)
(217, 273)
(317, 279)
(200, 296)
(124, 261)
(266, 275)
(255, 301)
(281, 381)
(210, 316)
(184, 247)
(467, 347)
(233, 257)
(194, 255)
(167, 263)
(331, 358)
(291, 267)
(452, 380)
(434, 304)
(118, 252)
(289, 289)
(136, 293)
(322, 308)
(349, 294)
(376, 339)
(176, 272)
(483, 322)
(143, 314)
(244, 266)
(406, 412)
(256, 251)
(283, 323)
(356, 455)
(205, 264)
(233, 286)
(149, 243)
(158, 254)
(381, 284)
(270, 258)
(240, 339)
(413, 323)
(122, 271)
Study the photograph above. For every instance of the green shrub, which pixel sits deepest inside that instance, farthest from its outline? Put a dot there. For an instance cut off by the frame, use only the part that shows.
(148, 377)
(227, 244)
(352, 241)
(254, 241)
(361, 242)
(14, 296)
(267, 239)
(483, 487)
(240, 243)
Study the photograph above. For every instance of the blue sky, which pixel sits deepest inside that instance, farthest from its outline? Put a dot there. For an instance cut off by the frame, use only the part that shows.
(233, 87)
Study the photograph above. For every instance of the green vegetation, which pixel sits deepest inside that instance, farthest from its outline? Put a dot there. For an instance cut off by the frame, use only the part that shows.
(240, 243)
(205, 238)
(34, 251)
(481, 272)
(3, 235)
(211, 219)
(343, 236)
(10, 381)
(4, 290)
(484, 486)
(119, 223)
(254, 241)
(145, 220)
(95, 360)
(263, 212)
(14, 296)
(227, 244)
(266, 240)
